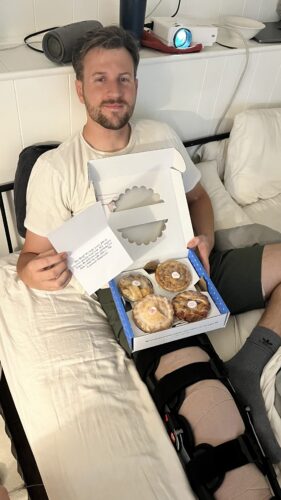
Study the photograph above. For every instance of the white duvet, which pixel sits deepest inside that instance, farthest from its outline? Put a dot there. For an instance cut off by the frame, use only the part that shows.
(89, 419)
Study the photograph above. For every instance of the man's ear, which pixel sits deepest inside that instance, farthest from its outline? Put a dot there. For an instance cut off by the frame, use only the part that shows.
(79, 90)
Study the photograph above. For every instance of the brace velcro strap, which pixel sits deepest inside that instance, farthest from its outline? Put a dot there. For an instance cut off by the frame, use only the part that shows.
(210, 463)
(172, 383)
(147, 359)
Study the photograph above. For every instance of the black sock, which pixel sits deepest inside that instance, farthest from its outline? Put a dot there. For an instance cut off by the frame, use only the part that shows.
(245, 370)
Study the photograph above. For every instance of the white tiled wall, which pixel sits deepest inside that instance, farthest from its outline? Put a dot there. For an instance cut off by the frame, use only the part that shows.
(197, 92)
(21, 17)
(192, 97)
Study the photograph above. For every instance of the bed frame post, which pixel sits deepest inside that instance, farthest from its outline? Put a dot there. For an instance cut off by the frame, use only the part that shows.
(9, 186)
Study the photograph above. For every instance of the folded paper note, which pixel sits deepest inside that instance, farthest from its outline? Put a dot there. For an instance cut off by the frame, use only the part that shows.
(95, 255)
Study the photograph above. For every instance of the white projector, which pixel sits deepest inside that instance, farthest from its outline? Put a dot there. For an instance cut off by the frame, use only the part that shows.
(179, 32)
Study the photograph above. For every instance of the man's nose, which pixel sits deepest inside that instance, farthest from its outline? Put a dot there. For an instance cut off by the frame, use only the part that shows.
(114, 88)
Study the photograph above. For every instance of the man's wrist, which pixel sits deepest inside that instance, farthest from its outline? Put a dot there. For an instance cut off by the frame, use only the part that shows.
(23, 260)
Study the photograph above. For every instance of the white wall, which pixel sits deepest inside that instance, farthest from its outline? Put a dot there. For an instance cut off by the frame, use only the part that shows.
(21, 17)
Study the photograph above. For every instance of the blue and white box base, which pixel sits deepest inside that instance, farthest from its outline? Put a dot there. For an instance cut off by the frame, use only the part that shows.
(138, 340)
(144, 199)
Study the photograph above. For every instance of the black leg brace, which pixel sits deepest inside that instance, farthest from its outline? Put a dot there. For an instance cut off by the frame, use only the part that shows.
(205, 465)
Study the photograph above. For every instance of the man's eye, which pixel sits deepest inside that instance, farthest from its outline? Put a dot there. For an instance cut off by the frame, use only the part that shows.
(124, 79)
(100, 79)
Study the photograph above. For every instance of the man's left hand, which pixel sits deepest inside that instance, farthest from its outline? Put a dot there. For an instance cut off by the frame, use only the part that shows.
(202, 245)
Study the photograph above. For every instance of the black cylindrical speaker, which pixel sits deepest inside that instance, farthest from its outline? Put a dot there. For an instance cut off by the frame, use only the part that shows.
(132, 15)
(58, 43)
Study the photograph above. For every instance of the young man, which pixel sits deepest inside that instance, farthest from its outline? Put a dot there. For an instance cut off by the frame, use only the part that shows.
(105, 65)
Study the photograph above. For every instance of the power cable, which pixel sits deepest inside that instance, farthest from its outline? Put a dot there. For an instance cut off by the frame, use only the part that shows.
(237, 32)
(177, 9)
(34, 34)
(237, 85)
(157, 5)
(12, 47)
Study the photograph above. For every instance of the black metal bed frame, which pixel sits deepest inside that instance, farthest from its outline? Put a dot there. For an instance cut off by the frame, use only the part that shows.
(20, 447)
(5, 188)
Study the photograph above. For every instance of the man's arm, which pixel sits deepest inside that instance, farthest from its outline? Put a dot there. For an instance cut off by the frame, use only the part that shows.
(40, 266)
(202, 219)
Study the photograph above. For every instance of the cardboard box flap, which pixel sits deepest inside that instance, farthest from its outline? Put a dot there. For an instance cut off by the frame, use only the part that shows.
(140, 215)
(144, 200)
(122, 164)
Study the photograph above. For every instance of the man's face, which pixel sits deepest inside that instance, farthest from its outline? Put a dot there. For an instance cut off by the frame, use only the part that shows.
(109, 87)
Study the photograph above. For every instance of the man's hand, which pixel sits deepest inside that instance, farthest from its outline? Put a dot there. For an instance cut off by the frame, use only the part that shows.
(203, 247)
(202, 218)
(44, 271)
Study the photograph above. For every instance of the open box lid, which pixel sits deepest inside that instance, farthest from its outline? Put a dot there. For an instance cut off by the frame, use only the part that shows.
(144, 200)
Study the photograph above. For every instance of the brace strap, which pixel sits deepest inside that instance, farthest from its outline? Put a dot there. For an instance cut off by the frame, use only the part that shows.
(206, 465)
(209, 464)
(170, 385)
(147, 359)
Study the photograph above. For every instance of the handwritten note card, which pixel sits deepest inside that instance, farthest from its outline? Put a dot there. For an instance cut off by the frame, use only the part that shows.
(95, 254)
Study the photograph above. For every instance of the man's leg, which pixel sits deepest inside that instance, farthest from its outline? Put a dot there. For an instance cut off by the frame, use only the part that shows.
(246, 366)
(207, 405)
(214, 419)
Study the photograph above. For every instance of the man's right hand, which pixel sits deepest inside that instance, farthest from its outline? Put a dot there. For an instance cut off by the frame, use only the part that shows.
(44, 271)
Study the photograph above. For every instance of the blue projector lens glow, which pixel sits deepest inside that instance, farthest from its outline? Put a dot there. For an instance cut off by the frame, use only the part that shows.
(182, 38)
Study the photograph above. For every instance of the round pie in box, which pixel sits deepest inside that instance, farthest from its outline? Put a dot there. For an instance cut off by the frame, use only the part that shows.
(134, 286)
(173, 276)
(191, 306)
(153, 313)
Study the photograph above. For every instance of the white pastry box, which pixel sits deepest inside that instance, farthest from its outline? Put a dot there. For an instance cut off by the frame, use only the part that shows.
(144, 200)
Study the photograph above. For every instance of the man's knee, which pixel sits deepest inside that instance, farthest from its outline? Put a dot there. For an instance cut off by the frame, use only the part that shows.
(271, 269)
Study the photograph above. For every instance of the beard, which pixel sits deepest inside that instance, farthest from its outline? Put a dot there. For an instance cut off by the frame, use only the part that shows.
(114, 122)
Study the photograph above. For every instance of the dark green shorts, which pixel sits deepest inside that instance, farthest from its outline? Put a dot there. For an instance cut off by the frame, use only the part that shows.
(237, 276)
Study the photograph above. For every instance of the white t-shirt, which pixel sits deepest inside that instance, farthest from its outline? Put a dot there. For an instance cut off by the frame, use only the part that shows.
(59, 187)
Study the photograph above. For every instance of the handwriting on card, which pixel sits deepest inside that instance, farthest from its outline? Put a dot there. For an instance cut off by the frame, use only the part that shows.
(89, 258)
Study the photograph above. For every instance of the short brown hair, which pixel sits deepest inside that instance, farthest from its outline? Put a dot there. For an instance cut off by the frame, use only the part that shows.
(110, 37)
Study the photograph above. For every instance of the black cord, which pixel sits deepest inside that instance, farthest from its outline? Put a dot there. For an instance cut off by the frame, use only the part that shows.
(34, 34)
(149, 25)
(178, 8)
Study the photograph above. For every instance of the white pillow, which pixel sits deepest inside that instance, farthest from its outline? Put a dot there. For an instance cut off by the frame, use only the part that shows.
(253, 161)
(215, 150)
(227, 213)
(266, 212)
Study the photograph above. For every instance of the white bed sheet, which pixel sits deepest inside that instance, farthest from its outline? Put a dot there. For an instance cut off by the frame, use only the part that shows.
(89, 419)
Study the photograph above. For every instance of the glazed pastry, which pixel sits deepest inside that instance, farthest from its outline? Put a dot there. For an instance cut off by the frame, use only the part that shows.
(191, 306)
(173, 276)
(134, 287)
(153, 313)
